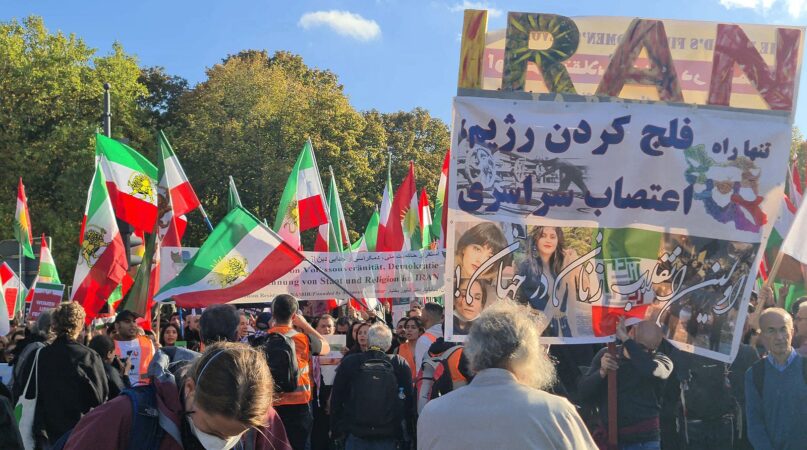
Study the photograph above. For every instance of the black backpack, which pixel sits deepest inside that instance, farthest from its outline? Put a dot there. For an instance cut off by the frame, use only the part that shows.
(374, 401)
(281, 356)
(146, 431)
(706, 390)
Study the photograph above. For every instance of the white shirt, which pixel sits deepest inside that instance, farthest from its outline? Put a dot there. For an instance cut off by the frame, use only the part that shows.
(423, 343)
(495, 411)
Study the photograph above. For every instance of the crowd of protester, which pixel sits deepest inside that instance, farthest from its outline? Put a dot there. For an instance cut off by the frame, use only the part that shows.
(268, 379)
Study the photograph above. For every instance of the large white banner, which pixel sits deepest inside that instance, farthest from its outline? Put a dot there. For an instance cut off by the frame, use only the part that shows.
(591, 210)
(365, 275)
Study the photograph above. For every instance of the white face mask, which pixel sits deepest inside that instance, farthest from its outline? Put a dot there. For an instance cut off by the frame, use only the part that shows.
(210, 442)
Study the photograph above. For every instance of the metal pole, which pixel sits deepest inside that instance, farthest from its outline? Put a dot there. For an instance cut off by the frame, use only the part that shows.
(20, 306)
(107, 111)
(204, 215)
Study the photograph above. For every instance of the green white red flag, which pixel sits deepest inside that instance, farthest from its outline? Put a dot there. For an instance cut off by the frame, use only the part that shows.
(47, 269)
(22, 223)
(102, 257)
(367, 243)
(440, 211)
(425, 219)
(183, 198)
(175, 196)
(402, 229)
(386, 210)
(239, 257)
(10, 285)
(302, 205)
(131, 182)
(233, 199)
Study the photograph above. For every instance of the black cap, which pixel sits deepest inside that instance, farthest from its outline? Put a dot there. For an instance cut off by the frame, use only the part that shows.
(262, 321)
(126, 315)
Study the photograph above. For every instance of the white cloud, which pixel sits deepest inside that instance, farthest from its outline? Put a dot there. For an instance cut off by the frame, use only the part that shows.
(794, 8)
(459, 7)
(344, 23)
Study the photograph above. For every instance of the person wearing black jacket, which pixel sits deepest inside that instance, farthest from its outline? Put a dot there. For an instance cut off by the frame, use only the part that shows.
(642, 372)
(113, 367)
(71, 377)
(357, 407)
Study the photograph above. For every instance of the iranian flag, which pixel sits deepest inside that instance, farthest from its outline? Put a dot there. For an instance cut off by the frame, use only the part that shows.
(239, 257)
(11, 285)
(425, 219)
(183, 198)
(367, 243)
(233, 199)
(22, 223)
(795, 189)
(102, 258)
(626, 254)
(302, 205)
(338, 223)
(175, 196)
(795, 244)
(47, 269)
(131, 181)
(385, 212)
(440, 209)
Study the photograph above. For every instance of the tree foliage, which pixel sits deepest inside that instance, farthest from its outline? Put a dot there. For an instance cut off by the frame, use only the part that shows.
(252, 115)
(51, 85)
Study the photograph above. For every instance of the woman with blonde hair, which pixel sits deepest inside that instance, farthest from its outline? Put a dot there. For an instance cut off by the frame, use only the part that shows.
(223, 401)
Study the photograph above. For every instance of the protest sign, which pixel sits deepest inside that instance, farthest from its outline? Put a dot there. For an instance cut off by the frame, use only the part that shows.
(593, 208)
(365, 274)
(46, 296)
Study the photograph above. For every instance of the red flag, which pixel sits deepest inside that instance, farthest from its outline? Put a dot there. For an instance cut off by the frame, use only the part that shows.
(405, 197)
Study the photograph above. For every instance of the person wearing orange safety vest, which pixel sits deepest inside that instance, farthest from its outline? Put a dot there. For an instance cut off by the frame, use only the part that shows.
(294, 407)
(413, 329)
(432, 318)
(137, 350)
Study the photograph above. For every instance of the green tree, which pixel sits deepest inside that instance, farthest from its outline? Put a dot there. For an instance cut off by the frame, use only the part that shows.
(253, 113)
(52, 90)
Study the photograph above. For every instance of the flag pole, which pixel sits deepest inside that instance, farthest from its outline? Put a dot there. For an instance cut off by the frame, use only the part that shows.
(19, 287)
(204, 216)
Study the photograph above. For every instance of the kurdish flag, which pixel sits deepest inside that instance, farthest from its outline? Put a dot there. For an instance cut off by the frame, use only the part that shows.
(131, 182)
(302, 205)
(239, 257)
(102, 258)
(440, 210)
(22, 223)
(402, 230)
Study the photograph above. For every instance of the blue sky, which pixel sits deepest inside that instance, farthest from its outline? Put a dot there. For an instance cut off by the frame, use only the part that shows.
(389, 54)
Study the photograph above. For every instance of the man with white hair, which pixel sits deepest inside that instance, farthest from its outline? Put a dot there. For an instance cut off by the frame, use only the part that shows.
(372, 400)
(776, 388)
(504, 406)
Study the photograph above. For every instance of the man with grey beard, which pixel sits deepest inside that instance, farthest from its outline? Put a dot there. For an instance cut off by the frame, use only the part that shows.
(504, 406)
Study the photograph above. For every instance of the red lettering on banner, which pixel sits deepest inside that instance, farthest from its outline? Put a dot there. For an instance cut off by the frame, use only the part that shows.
(648, 34)
(777, 87)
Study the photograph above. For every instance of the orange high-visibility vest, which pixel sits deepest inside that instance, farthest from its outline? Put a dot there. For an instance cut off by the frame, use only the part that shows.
(143, 353)
(302, 394)
(407, 352)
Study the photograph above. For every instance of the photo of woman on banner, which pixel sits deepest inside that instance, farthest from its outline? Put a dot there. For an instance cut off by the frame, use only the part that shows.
(546, 256)
(476, 246)
(464, 312)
